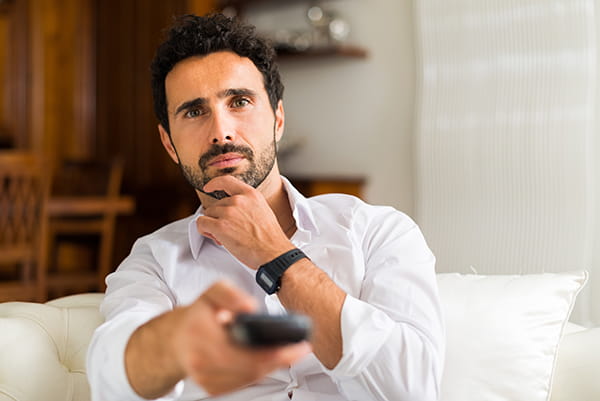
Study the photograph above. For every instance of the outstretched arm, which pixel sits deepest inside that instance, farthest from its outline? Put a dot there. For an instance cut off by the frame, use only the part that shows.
(192, 342)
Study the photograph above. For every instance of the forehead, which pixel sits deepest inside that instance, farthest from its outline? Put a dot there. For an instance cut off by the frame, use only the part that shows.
(204, 76)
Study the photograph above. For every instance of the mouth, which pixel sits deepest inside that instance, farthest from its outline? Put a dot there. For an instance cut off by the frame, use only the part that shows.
(226, 161)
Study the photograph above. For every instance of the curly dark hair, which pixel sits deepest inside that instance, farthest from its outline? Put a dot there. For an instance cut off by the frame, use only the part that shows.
(192, 35)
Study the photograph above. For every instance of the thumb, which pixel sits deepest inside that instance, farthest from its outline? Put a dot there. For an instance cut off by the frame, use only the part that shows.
(224, 295)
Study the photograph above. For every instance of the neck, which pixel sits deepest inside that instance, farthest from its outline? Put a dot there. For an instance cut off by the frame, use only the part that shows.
(280, 204)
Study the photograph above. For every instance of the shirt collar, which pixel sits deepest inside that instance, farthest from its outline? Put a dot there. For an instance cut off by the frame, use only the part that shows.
(301, 210)
(305, 221)
(195, 238)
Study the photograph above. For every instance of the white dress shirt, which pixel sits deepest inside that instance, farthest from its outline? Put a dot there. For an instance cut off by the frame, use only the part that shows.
(393, 338)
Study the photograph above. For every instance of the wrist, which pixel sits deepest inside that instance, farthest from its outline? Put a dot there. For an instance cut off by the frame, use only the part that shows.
(268, 276)
(266, 255)
(173, 353)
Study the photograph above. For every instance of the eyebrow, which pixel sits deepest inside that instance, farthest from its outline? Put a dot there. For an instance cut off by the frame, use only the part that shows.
(237, 92)
(199, 101)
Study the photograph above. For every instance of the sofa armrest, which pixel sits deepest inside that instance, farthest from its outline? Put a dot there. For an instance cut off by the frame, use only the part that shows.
(575, 375)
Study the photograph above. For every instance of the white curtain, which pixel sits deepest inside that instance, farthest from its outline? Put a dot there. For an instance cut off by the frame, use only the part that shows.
(506, 138)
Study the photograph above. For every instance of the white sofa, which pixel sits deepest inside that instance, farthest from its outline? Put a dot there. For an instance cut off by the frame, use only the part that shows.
(43, 349)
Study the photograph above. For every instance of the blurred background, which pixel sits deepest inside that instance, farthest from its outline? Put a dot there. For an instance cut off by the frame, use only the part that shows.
(477, 118)
(75, 89)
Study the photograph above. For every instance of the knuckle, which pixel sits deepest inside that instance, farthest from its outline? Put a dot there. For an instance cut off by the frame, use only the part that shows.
(237, 200)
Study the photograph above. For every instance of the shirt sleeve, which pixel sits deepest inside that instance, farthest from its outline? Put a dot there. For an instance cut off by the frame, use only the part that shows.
(134, 296)
(393, 335)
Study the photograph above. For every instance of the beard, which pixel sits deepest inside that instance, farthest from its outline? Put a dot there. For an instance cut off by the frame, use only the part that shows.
(259, 167)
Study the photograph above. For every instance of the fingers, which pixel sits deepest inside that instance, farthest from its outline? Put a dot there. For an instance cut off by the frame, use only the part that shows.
(205, 225)
(211, 358)
(248, 366)
(287, 355)
(228, 183)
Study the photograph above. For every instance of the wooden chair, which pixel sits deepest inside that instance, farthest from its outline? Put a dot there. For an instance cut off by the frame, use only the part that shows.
(24, 185)
(96, 183)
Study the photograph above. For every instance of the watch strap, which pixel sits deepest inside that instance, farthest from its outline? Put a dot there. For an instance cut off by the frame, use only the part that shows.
(275, 269)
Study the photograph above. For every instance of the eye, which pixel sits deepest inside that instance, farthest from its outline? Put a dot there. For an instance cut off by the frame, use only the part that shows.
(193, 113)
(240, 102)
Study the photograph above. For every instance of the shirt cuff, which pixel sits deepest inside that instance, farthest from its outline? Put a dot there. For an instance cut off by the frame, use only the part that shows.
(365, 329)
(106, 361)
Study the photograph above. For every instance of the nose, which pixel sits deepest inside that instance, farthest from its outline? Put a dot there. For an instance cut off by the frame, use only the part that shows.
(222, 128)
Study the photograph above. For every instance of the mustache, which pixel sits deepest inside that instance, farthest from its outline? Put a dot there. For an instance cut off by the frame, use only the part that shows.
(217, 150)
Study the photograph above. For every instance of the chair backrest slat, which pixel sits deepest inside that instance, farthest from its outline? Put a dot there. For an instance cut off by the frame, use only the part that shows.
(24, 187)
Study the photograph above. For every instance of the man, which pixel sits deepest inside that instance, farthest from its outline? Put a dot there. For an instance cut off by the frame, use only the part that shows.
(367, 281)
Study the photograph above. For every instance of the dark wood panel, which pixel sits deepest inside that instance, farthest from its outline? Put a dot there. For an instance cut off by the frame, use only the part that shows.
(14, 73)
(63, 84)
(200, 7)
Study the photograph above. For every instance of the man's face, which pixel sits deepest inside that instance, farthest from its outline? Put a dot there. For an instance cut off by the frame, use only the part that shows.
(221, 120)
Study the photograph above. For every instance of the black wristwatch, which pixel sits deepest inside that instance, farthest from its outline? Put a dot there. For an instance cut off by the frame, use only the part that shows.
(269, 275)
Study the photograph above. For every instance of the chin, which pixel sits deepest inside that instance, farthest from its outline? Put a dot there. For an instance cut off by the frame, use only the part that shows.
(227, 171)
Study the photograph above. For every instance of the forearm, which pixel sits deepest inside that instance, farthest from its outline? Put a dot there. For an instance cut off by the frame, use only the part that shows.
(307, 289)
(149, 359)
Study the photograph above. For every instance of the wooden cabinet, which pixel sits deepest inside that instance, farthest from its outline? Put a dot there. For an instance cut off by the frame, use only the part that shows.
(311, 186)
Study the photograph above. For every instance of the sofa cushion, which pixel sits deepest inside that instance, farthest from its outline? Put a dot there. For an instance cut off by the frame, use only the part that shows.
(577, 367)
(503, 333)
(46, 347)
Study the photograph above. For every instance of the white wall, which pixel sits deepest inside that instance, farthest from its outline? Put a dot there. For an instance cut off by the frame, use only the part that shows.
(355, 116)
(506, 175)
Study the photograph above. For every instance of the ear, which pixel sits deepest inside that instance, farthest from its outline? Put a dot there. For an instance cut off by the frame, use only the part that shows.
(165, 138)
(279, 121)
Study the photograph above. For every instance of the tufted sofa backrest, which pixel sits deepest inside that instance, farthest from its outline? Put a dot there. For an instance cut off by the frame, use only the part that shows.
(43, 348)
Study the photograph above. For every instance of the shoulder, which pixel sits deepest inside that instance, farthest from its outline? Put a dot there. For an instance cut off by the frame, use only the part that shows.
(358, 213)
(378, 230)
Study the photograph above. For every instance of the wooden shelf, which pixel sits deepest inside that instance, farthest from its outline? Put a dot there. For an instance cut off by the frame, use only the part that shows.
(240, 4)
(349, 51)
(287, 52)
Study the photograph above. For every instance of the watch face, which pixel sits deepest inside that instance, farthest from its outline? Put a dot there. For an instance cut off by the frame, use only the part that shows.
(266, 282)
(264, 277)
(268, 275)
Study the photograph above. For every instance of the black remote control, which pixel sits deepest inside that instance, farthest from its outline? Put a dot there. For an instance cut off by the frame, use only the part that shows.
(262, 330)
